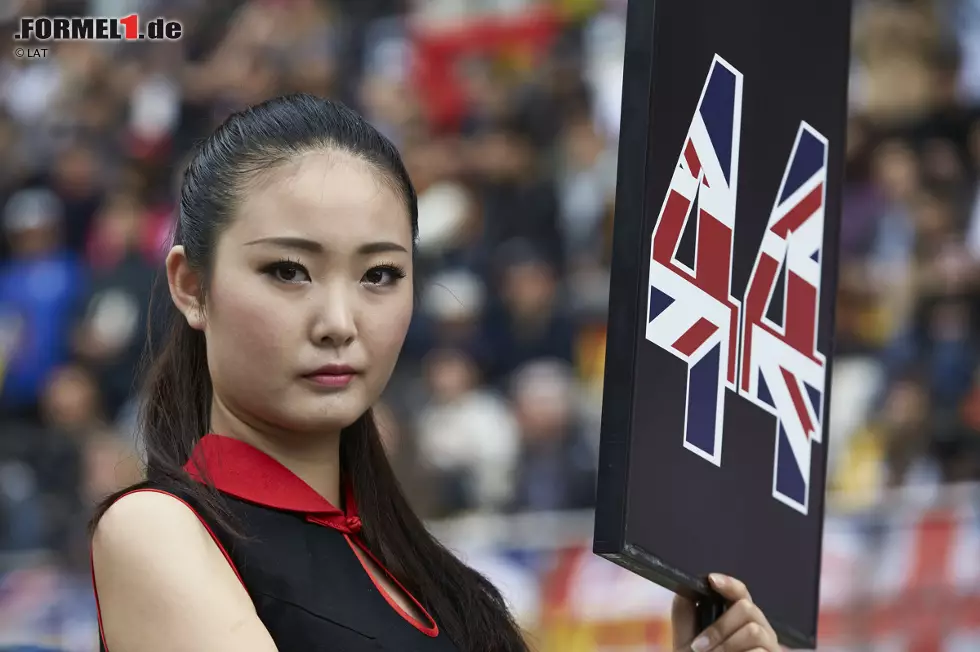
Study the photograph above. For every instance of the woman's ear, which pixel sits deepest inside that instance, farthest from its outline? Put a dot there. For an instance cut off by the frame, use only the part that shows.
(185, 288)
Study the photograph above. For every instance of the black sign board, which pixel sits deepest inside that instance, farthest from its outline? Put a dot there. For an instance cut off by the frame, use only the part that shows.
(714, 447)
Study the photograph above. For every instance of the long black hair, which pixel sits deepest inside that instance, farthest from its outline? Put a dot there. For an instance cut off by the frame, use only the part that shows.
(177, 391)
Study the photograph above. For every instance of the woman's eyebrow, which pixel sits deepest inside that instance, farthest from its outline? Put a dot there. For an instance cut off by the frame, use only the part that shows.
(312, 246)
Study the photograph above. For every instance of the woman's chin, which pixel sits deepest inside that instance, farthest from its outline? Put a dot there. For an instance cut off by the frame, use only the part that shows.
(321, 416)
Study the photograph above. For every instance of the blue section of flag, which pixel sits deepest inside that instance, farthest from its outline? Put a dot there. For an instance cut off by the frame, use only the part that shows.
(702, 401)
(816, 399)
(765, 395)
(718, 114)
(807, 162)
(815, 256)
(789, 478)
(659, 302)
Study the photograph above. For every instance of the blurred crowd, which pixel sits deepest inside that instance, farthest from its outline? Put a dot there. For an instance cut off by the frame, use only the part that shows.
(908, 380)
(495, 404)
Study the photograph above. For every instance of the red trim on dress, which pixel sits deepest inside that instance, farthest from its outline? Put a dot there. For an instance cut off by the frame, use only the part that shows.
(432, 629)
(207, 527)
(243, 471)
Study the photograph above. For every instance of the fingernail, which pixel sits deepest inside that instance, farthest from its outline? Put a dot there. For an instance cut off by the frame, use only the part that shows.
(701, 644)
(717, 580)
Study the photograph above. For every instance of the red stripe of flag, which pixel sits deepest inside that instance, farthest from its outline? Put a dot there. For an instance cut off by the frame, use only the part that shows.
(755, 309)
(695, 336)
(668, 232)
(801, 314)
(797, 396)
(800, 213)
(693, 162)
(713, 264)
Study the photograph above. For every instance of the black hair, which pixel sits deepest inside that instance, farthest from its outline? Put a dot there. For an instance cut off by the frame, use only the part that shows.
(177, 390)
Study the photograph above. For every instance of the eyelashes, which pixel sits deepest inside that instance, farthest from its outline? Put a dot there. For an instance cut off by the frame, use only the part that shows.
(395, 273)
(287, 271)
(293, 272)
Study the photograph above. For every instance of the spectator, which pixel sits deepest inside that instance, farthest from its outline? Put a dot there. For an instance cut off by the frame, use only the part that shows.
(530, 321)
(75, 179)
(453, 305)
(467, 435)
(905, 426)
(556, 468)
(41, 468)
(449, 224)
(110, 335)
(517, 200)
(587, 186)
(39, 290)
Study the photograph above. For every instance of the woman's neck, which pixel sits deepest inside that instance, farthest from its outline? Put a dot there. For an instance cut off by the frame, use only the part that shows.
(315, 459)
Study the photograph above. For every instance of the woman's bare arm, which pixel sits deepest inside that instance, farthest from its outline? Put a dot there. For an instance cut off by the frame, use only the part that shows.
(163, 584)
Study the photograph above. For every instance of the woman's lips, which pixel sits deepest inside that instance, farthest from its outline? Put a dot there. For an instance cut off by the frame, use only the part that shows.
(331, 380)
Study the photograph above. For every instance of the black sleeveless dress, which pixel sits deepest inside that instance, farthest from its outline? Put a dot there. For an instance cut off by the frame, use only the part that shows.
(302, 560)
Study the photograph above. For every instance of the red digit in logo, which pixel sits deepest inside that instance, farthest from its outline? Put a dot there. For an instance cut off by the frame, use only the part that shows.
(132, 26)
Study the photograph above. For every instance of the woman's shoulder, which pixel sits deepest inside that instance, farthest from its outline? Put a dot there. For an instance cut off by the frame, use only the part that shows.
(152, 554)
(144, 502)
(155, 517)
(145, 496)
(147, 522)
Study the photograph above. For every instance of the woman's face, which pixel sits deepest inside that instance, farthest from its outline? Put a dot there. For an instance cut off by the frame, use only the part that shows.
(314, 270)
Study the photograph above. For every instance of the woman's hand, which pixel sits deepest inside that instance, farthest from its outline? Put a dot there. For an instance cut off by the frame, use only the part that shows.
(742, 628)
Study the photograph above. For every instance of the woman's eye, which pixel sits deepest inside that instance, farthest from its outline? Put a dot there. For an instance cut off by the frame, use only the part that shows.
(288, 272)
(384, 275)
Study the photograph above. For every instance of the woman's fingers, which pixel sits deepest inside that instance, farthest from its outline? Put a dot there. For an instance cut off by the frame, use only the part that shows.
(742, 628)
(729, 587)
(739, 615)
(752, 636)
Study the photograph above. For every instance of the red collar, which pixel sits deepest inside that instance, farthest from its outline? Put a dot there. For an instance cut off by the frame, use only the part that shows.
(245, 472)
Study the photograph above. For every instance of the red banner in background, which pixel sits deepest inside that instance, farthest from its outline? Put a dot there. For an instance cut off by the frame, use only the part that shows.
(439, 49)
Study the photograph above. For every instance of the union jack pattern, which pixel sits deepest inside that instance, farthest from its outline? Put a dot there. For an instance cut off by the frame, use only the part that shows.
(692, 313)
(772, 361)
(782, 370)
